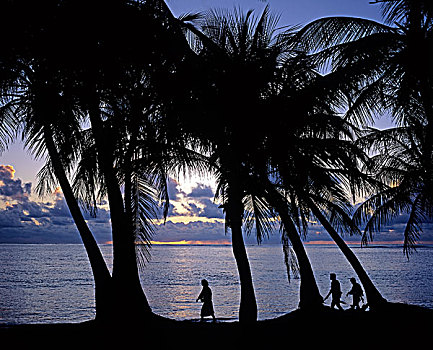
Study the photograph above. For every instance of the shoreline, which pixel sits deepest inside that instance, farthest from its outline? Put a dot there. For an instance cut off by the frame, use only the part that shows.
(397, 325)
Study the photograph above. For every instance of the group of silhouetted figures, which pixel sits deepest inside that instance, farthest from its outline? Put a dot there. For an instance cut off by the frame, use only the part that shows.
(335, 292)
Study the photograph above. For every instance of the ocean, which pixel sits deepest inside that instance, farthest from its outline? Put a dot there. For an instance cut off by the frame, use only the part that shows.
(53, 283)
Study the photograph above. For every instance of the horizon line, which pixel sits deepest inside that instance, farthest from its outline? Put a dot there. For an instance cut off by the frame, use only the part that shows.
(318, 242)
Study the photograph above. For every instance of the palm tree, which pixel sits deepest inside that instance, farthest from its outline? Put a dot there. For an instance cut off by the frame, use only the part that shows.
(389, 68)
(405, 154)
(29, 93)
(402, 166)
(318, 151)
(53, 89)
(114, 73)
(44, 131)
(254, 69)
(233, 47)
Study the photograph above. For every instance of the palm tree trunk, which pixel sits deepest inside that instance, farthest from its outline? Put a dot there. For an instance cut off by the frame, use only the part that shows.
(100, 270)
(310, 297)
(130, 300)
(374, 298)
(248, 304)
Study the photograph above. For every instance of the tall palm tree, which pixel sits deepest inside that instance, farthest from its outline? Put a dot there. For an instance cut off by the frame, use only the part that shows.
(389, 67)
(106, 78)
(66, 84)
(403, 154)
(247, 57)
(30, 94)
(316, 171)
(233, 46)
(378, 71)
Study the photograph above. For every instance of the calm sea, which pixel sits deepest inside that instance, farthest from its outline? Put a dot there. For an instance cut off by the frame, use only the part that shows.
(53, 283)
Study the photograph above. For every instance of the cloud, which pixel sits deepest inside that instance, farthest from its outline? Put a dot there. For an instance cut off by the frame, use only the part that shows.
(210, 209)
(9, 187)
(197, 203)
(201, 191)
(10, 217)
(174, 191)
(193, 231)
(23, 220)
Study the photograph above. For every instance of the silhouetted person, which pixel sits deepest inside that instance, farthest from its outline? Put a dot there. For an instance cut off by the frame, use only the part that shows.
(356, 293)
(206, 297)
(335, 291)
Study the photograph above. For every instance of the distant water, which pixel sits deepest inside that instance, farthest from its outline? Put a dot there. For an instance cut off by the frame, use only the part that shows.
(53, 283)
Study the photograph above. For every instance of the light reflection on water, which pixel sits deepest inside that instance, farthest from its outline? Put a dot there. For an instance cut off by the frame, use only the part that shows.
(53, 283)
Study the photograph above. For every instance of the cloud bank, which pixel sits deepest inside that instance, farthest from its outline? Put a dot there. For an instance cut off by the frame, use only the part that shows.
(194, 216)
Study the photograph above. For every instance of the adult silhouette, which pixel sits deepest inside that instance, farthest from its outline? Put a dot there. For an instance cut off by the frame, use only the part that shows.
(206, 297)
(335, 291)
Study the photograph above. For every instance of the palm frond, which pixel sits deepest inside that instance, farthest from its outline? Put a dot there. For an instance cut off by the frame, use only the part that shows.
(258, 215)
(330, 31)
(190, 17)
(290, 259)
(143, 203)
(47, 183)
(9, 123)
(413, 228)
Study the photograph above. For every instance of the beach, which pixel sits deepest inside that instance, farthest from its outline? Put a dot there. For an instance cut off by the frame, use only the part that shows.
(398, 326)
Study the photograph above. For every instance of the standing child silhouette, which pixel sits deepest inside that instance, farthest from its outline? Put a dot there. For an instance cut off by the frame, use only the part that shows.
(357, 294)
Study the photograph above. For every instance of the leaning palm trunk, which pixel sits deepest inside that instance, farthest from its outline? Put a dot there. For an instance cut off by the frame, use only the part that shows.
(248, 304)
(130, 301)
(100, 270)
(374, 298)
(310, 297)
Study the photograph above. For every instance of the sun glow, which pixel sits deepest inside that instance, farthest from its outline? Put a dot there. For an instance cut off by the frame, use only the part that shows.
(184, 242)
(36, 222)
(394, 184)
(188, 219)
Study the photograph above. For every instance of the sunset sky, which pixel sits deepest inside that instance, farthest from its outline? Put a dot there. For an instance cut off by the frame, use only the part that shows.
(194, 216)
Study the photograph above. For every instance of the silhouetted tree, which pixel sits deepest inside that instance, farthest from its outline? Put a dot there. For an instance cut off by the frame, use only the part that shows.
(33, 101)
(378, 73)
(113, 55)
(388, 69)
(82, 77)
(245, 56)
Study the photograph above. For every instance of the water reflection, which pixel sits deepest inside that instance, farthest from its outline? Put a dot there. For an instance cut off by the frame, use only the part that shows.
(53, 283)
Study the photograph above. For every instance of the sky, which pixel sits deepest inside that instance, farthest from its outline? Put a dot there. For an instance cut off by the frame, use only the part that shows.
(194, 216)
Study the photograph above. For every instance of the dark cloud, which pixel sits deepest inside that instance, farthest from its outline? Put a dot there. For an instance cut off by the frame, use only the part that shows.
(10, 217)
(196, 203)
(202, 207)
(174, 193)
(211, 209)
(23, 220)
(33, 222)
(201, 191)
(205, 232)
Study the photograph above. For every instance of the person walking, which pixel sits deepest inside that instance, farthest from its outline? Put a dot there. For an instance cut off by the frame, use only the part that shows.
(357, 294)
(335, 291)
(206, 297)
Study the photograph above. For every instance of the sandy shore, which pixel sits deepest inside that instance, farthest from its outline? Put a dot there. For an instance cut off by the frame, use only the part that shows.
(397, 327)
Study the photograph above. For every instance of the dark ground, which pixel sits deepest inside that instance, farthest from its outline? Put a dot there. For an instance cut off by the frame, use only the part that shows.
(399, 326)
